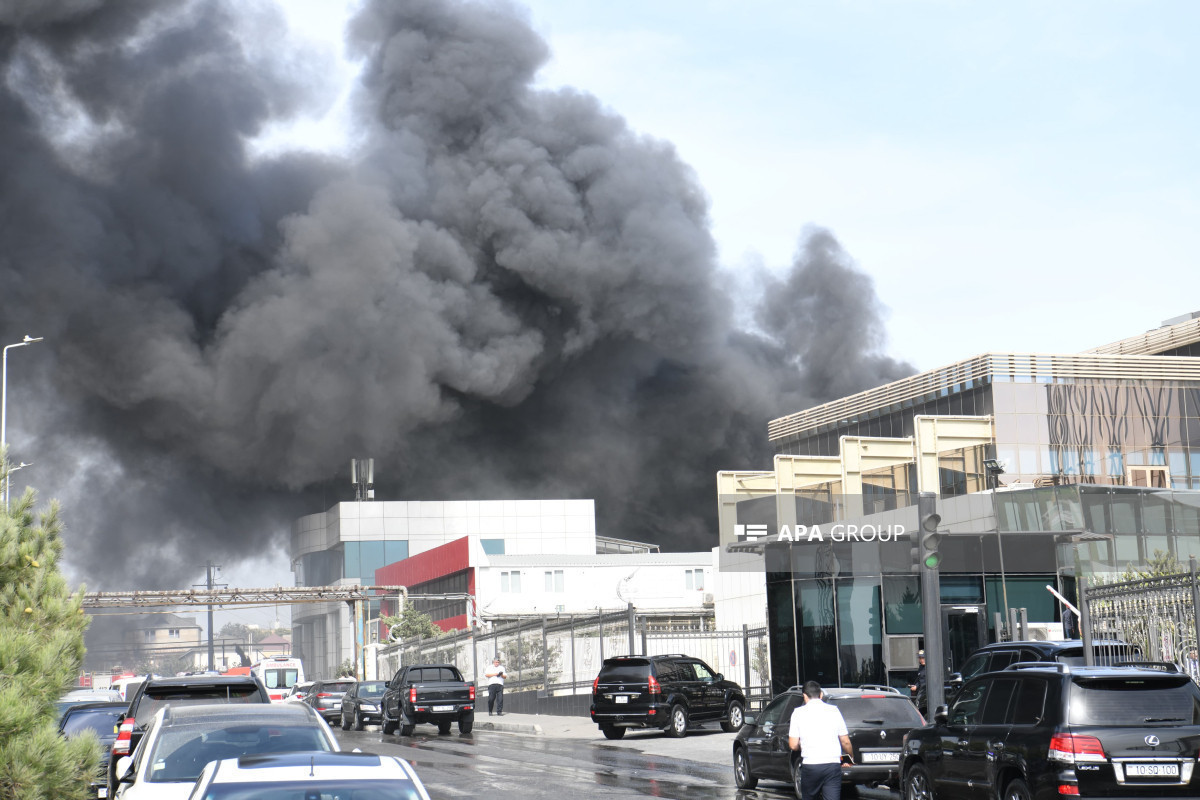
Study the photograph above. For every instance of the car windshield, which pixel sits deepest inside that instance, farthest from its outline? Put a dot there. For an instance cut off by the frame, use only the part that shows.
(880, 710)
(337, 687)
(280, 678)
(182, 751)
(1132, 701)
(371, 689)
(315, 790)
(157, 697)
(627, 671)
(100, 720)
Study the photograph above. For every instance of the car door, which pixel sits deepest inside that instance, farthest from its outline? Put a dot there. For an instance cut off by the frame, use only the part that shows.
(953, 772)
(976, 762)
(711, 693)
(688, 685)
(770, 757)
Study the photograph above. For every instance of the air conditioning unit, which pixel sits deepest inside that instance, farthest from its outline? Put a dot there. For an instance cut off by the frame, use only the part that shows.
(708, 598)
(1046, 631)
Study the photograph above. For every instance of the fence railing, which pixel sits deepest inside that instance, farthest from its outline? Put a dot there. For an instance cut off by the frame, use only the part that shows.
(562, 654)
(1156, 615)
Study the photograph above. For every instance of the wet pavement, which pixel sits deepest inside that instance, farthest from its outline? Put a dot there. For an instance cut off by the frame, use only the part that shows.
(538, 757)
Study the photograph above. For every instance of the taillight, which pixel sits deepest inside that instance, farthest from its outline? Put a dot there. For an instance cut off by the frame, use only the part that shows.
(471, 692)
(596, 684)
(1068, 788)
(1072, 747)
(324, 694)
(124, 738)
(412, 694)
(654, 687)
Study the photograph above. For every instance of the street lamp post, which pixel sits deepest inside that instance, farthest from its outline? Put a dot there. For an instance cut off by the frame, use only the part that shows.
(4, 408)
(7, 473)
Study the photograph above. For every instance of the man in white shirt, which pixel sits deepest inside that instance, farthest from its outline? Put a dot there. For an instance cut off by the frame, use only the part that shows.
(495, 675)
(819, 733)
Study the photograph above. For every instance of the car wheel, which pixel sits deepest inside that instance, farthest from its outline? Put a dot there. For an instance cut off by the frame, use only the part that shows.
(407, 730)
(734, 718)
(917, 785)
(345, 723)
(677, 728)
(466, 723)
(612, 731)
(1016, 790)
(741, 770)
(388, 727)
(358, 721)
(796, 777)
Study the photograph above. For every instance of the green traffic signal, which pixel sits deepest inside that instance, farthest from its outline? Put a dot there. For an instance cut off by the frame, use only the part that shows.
(932, 560)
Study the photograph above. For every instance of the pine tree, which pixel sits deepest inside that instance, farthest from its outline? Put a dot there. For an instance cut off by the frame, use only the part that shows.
(41, 651)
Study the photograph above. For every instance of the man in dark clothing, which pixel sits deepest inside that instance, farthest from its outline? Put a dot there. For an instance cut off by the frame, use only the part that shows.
(918, 688)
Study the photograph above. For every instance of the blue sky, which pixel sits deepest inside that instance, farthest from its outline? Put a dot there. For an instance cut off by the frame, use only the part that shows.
(1015, 177)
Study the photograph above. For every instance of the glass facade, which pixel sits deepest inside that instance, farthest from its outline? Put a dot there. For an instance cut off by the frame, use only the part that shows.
(349, 560)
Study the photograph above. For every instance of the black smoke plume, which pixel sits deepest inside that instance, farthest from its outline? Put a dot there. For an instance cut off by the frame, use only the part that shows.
(503, 293)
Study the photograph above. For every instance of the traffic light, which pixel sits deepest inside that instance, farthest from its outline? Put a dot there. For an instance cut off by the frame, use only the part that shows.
(929, 520)
(914, 549)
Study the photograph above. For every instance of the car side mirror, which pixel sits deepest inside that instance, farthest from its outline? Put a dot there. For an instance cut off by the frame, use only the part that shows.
(748, 719)
(123, 771)
(956, 679)
(720, 677)
(941, 714)
(387, 684)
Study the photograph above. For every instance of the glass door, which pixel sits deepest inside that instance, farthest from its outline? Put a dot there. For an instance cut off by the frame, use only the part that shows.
(965, 630)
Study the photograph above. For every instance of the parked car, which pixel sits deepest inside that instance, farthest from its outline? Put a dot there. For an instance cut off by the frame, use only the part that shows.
(997, 656)
(672, 692)
(326, 697)
(100, 719)
(298, 692)
(303, 775)
(877, 717)
(1051, 730)
(155, 693)
(181, 740)
(427, 693)
(78, 697)
(361, 705)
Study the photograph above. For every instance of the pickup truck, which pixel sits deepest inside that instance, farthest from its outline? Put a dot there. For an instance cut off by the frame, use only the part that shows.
(433, 693)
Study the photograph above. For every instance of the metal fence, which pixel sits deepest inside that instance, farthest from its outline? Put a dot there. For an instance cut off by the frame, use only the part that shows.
(561, 655)
(1157, 615)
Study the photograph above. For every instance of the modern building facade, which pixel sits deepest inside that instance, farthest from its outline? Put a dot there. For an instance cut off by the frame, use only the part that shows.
(1047, 468)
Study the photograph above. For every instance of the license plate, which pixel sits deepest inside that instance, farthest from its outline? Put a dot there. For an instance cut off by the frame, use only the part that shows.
(102, 791)
(337, 705)
(620, 699)
(443, 708)
(881, 758)
(1153, 770)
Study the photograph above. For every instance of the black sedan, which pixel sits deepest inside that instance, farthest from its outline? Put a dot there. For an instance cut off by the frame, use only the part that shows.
(877, 718)
(361, 705)
(101, 719)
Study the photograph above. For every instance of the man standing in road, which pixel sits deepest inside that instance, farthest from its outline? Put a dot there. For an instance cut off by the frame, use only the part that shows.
(819, 732)
(495, 675)
(919, 689)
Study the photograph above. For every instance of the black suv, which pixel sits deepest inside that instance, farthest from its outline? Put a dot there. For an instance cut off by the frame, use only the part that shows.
(361, 703)
(154, 693)
(877, 717)
(1052, 730)
(668, 692)
(995, 657)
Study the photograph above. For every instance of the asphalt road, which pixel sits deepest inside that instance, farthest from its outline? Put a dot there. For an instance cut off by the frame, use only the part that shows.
(541, 758)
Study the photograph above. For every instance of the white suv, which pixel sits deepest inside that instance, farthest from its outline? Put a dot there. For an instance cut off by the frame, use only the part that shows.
(309, 775)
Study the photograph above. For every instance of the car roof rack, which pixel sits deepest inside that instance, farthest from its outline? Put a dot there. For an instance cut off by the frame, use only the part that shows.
(1054, 665)
(876, 687)
(1157, 666)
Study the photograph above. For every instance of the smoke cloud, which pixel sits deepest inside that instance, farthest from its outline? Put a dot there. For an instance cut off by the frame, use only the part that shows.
(503, 293)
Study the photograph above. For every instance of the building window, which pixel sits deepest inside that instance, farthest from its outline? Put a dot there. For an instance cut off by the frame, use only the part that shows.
(493, 547)
(149, 635)
(173, 633)
(554, 580)
(510, 582)
(694, 579)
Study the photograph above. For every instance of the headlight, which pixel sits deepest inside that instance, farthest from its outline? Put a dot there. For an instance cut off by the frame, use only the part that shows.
(368, 707)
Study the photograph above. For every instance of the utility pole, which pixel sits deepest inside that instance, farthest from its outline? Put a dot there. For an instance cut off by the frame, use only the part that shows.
(211, 570)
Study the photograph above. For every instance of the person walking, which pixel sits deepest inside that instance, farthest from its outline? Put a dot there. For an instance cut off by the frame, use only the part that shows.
(819, 733)
(919, 688)
(495, 675)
